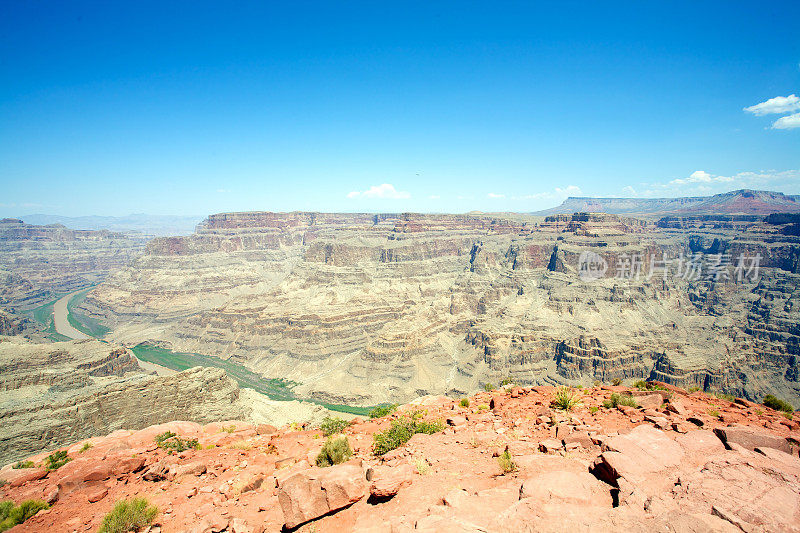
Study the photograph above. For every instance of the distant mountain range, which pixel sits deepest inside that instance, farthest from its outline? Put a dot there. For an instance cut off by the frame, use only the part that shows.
(155, 225)
(741, 202)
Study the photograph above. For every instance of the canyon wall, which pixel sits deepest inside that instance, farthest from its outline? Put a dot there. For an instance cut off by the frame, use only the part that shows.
(38, 262)
(364, 308)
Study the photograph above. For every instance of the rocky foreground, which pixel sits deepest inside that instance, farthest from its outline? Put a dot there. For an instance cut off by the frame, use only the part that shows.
(680, 462)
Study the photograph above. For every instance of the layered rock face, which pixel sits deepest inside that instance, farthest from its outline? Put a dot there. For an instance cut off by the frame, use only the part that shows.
(38, 261)
(52, 394)
(362, 308)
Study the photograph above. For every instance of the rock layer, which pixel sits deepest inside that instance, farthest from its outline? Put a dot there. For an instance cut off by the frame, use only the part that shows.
(361, 308)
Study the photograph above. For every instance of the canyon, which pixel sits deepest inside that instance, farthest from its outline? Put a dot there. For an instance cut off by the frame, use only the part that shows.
(366, 308)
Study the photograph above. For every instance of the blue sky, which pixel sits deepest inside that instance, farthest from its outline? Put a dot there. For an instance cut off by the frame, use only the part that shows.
(193, 108)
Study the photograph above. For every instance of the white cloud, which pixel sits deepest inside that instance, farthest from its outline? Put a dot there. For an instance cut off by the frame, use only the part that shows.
(556, 194)
(434, 197)
(630, 191)
(701, 182)
(569, 190)
(788, 122)
(495, 195)
(382, 191)
(701, 176)
(779, 104)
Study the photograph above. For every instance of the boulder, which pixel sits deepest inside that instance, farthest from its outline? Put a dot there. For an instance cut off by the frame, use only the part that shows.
(26, 475)
(633, 456)
(387, 481)
(195, 469)
(315, 492)
(751, 438)
(579, 488)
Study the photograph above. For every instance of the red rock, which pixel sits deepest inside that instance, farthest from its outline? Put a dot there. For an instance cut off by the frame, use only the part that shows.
(96, 494)
(567, 487)
(126, 465)
(550, 445)
(649, 400)
(751, 438)
(387, 481)
(633, 456)
(26, 475)
(317, 491)
(266, 429)
(195, 469)
(456, 421)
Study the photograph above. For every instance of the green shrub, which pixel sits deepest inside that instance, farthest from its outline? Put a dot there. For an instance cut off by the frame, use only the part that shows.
(464, 402)
(506, 381)
(401, 432)
(620, 399)
(57, 459)
(333, 425)
(596, 383)
(335, 450)
(11, 516)
(382, 410)
(648, 385)
(86, 446)
(5, 509)
(594, 409)
(776, 403)
(175, 444)
(693, 389)
(714, 413)
(228, 429)
(483, 407)
(506, 462)
(723, 396)
(616, 382)
(24, 464)
(129, 515)
(566, 399)
(488, 387)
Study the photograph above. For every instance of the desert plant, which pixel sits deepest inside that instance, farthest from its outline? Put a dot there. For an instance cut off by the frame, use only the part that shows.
(714, 413)
(86, 446)
(332, 425)
(24, 464)
(483, 407)
(596, 383)
(488, 387)
(228, 429)
(616, 382)
(335, 450)
(240, 445)
(464, 402)
(648, 385)
(723, 396)
(57, 459)
(175, 444)
(506, 381)
(506, 462)
(566, 399)
(401, 432)
(619, 399)
(776, 403)
(129, 515)
(5, 508)
(593, 409)
(423, 468)
(11, 515)
(380, 411)
(693, 389)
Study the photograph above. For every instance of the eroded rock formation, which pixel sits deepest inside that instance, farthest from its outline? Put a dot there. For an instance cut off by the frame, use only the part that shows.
(362, 308)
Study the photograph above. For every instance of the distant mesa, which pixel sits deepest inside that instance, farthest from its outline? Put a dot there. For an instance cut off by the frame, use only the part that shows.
(743, 201)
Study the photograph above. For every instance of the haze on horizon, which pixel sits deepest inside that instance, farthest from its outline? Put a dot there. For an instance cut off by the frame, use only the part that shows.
(190, 109)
